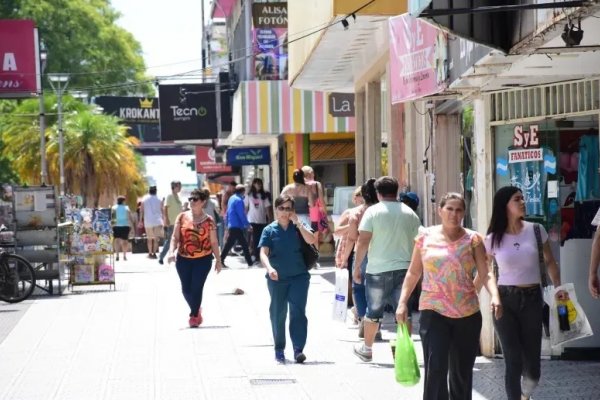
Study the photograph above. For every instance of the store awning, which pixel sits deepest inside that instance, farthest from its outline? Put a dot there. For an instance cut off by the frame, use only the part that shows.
(327, 151)
(222, 8)
(273, 108)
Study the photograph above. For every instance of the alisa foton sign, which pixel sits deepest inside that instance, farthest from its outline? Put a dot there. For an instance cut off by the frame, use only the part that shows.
(248, 156)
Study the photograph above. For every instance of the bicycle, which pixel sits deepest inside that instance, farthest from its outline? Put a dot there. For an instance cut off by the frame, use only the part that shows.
(17, 278)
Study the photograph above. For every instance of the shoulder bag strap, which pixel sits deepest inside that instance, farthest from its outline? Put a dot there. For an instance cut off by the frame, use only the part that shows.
(538, 239)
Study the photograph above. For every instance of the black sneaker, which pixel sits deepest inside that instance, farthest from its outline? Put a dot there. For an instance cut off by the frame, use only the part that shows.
(160, 261)
(299, 356)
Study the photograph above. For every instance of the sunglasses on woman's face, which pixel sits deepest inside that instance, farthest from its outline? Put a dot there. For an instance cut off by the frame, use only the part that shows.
(281, 208)
(193, 199)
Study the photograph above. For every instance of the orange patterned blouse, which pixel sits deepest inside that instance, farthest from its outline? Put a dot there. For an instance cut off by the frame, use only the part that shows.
(194, 239)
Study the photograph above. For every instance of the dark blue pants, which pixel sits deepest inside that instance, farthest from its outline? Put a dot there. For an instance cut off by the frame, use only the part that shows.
(293, 292)
(450, 345)
(257, 230)
(192, 274)
(236, 235)
(520, 333)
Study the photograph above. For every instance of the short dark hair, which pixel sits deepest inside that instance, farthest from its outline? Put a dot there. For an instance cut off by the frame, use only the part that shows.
(233, 183)
(174, 184)
(283, 199)
(299, 176)
(387, 186)
(121, 200)
(152, 190)
(202, 194)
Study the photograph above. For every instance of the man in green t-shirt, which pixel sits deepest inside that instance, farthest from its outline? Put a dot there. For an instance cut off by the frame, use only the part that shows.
(171, 209)
(387, 230)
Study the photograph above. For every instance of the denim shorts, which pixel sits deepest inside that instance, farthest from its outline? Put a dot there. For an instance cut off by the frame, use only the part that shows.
(382, 289)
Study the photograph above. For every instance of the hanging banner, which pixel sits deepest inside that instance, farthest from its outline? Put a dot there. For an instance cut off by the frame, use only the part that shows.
(206, 162)
(418, 59)
(269, 35)
(19, 59)
(248, 156)
(137, 110)
(188, 112)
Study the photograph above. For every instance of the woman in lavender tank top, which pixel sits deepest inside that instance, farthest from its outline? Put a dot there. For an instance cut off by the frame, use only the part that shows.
(512, 242)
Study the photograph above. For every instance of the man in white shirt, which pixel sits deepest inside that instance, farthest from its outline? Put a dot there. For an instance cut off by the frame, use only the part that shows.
(151, 214)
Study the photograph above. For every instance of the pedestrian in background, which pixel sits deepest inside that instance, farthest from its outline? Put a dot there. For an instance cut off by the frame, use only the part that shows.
(387, 231)
(369, 195)
(287, 276)
(317, 206)
(237, 224)
(511, 242)
(258, 208)
(593, 281)
(300, 192)
(152, 220)
(122, 220)
(448, 256)
(193, 246)
(171, 209)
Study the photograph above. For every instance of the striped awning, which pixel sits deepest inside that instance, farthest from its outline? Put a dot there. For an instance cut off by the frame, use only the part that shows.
(273, 108)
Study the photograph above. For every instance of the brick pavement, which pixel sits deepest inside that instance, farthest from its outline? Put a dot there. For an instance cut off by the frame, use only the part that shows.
(134, 344)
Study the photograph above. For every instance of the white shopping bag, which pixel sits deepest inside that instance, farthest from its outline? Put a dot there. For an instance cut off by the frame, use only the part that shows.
(340, 302)
(575, 324)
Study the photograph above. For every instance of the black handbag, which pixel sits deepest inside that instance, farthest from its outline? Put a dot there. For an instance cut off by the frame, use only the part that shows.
(310, 253)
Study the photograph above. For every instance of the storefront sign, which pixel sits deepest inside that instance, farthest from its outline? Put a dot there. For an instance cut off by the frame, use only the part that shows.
(269, 15)
(188, 112)
(139, 110)
(418, 59)
(19, 59)
(206, 162)
(462, 55)
(526, 139)
(248, 156)
(517, 156)
(341, 104)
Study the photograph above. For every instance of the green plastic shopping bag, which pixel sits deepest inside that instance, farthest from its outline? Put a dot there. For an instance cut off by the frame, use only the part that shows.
(407, 369)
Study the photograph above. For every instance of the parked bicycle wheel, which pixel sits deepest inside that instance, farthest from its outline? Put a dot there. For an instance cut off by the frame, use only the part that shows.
(17, 278)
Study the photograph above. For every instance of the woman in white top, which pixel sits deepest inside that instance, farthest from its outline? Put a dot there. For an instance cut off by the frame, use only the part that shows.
(258, 211)
(512, 242)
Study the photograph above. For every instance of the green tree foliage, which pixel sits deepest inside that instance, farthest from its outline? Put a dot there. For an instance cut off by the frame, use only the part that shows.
(83, 39)
(99, 157)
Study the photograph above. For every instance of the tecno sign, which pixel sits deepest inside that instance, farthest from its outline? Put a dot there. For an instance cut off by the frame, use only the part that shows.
(185, 114)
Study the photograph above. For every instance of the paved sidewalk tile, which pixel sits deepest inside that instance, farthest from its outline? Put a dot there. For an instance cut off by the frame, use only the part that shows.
(134, 343)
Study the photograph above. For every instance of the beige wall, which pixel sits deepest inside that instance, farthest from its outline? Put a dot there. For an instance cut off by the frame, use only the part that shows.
(380, 7)
(303, 17)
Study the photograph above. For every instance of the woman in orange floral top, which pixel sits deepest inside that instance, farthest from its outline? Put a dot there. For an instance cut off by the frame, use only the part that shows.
(448, 256)
(195, 243)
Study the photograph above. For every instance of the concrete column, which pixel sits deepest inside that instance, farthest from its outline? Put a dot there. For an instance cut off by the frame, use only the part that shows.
(373, 130)
(396, 146)
(447, 150)
(483, 195)
(359, 137)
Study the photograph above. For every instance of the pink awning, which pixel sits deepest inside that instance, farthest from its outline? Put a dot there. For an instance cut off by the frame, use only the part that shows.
(222, 8)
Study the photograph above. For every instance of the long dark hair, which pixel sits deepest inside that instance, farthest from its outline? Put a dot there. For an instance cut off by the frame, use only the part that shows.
(255, 193)
(299, 176)
(499, 220)
(368, 192)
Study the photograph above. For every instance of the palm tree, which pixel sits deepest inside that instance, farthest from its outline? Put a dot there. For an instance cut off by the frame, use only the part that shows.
(99, 157)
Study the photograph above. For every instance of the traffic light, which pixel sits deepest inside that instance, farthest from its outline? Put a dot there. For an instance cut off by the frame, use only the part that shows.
(192, 164)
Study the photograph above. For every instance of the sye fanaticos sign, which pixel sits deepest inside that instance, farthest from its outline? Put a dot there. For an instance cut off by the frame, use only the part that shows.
(19, 55)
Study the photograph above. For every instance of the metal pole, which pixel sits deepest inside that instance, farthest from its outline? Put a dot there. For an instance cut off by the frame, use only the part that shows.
(61, 165)
(44, 167)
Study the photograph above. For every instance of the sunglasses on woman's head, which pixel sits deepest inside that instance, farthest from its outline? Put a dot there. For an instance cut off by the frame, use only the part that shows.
(282, 208)
(193, 199)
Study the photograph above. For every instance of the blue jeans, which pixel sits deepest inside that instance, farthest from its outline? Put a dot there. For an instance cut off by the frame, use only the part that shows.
(192, 274)
(382, 289)
(167, 242)
(292, 292)
(220, 233)
(359, 290)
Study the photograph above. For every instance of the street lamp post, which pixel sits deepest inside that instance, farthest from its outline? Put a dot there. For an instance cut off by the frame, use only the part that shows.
(44, 167)
(59, 83)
